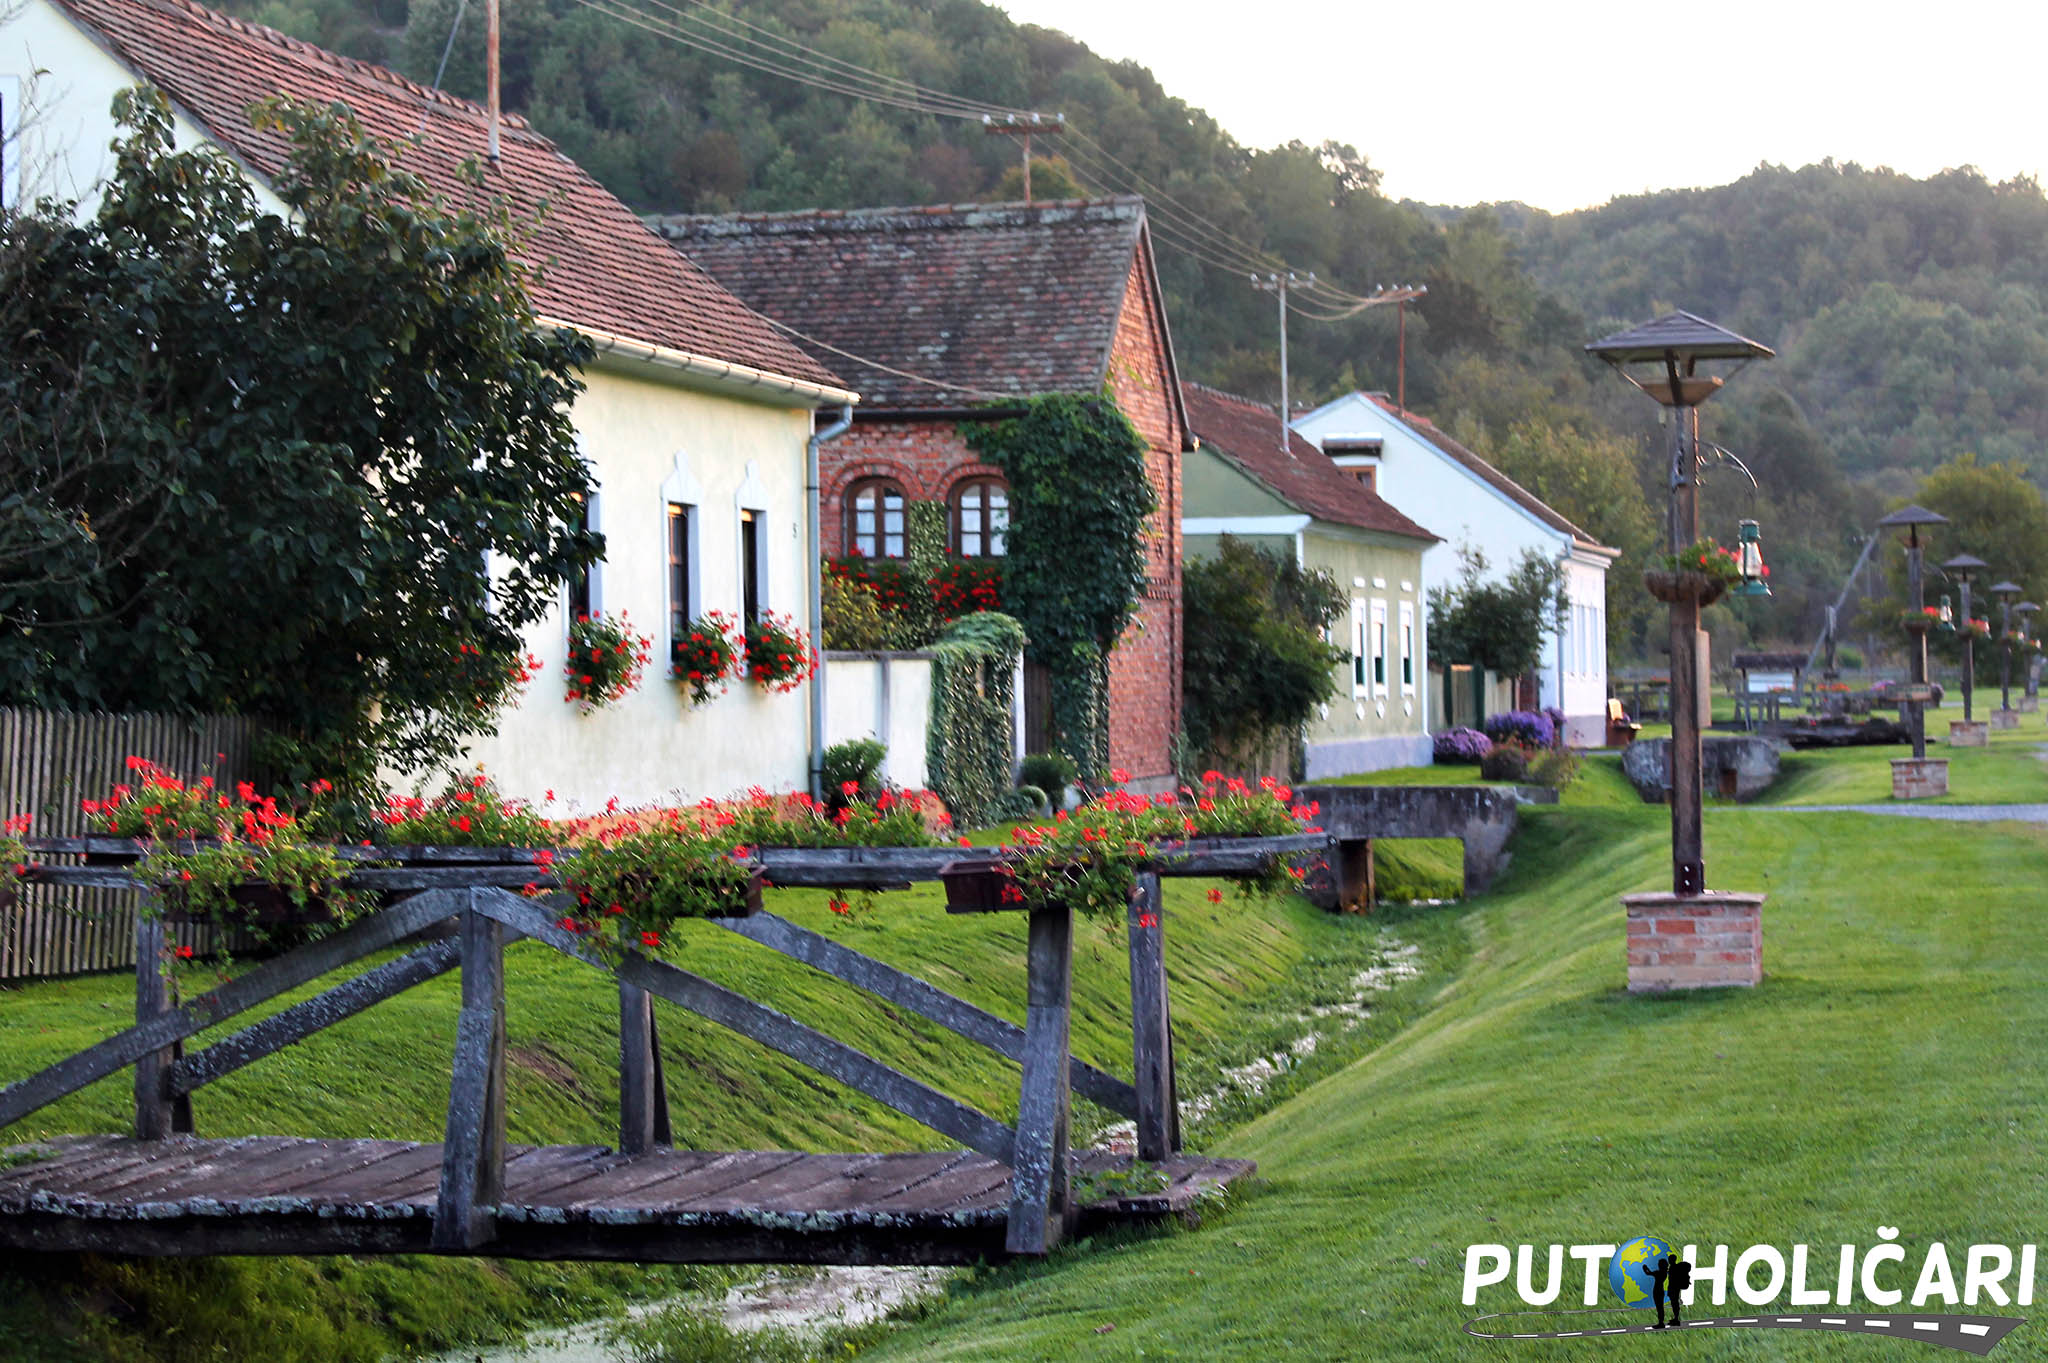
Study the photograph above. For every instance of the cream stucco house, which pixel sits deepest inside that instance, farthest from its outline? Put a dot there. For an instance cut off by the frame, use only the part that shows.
(1414, 465)
(1252, 479)
(696, 419)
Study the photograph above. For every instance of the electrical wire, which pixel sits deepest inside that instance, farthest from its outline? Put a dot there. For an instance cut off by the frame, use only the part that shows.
(1177, 226)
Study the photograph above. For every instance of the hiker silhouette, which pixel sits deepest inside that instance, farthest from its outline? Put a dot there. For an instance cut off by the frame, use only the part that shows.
(1669, 1276)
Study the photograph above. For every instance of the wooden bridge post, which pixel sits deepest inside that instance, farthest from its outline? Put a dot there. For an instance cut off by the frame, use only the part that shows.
(1041, 1181)
(1158, 1118)
(157, 1112)
(473, 1147)
(643, 1089)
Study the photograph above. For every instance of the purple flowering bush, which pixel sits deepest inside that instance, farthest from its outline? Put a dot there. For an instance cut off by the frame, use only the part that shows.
(1528, 727)
(1556, 718)
(1460, 745)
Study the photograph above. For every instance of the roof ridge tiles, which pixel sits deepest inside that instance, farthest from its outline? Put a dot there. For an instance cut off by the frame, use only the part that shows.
(909, 216)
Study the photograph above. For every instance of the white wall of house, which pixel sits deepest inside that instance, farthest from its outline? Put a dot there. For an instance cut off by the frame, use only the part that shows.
(886, 696)
(57, 88)
(1433, 489)
(652, 442)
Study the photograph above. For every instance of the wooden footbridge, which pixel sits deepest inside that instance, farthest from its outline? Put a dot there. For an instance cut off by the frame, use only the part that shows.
(164, 1190)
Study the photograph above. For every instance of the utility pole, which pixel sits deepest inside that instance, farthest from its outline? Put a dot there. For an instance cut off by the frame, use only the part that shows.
(1022, 126)
(491, 76)
(1278, 285)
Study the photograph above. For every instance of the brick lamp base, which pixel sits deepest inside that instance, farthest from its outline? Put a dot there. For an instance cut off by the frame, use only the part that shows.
(2030, 705)
(1708, 940)
(2005, 719)
(1968, 733)
(1919, 778)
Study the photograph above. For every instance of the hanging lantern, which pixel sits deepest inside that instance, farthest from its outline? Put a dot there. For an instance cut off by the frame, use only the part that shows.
(1948, 615)
(1749, 555)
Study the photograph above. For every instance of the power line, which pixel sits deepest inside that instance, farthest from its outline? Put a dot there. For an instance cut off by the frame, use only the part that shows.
(1177, 226)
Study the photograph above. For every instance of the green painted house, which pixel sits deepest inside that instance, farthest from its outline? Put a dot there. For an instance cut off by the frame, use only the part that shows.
(1287, 496)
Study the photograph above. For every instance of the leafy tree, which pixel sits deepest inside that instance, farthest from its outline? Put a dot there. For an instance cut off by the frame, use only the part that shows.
(337, 420)
(1591, 479)
(1499, 625)
(1255, 655)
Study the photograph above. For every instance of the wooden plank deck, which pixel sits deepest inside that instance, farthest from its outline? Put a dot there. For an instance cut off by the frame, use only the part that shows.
(275, 1195)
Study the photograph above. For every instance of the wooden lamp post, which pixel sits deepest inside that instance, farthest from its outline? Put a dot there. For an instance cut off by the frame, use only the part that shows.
(1962, 570)
(1673, 361)
(1918, 776)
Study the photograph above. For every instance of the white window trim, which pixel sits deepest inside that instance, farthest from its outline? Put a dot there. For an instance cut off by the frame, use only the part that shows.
(753, 496)
(680, 488)
(1405, 641)
(1360, 676)
(1376, 642)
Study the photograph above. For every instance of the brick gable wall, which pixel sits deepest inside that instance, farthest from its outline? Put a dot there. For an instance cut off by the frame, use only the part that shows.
(930, 458)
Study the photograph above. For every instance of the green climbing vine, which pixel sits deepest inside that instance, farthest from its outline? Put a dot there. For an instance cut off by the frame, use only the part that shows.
(968, 747)
(1079, 499)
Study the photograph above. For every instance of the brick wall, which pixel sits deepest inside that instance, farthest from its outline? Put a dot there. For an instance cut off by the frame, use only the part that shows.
(1919, 778)
(1694, 942)
(930, 458)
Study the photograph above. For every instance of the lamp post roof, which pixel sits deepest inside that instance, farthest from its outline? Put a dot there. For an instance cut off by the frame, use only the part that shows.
(1913, 515)
(2013, 587)
(2025, 608)
(1962, 565)
(1679, 333)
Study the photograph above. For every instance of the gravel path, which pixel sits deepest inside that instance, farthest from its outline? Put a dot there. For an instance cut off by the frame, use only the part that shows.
(1953, 813)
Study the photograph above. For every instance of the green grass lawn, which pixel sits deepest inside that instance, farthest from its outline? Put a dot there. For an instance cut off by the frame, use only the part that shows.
(1888, 1071)
(1243, 973)
(2010, 771)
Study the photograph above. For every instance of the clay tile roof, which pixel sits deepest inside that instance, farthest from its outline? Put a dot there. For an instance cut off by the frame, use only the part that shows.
(996, 299)
(1490, 475)
(1247, 434)
(598, 265)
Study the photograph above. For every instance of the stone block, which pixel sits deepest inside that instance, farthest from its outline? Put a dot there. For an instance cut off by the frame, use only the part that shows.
(2005, 719)
(1968, 733)
(1741, 766)
(1706, 941)
(1919, 778)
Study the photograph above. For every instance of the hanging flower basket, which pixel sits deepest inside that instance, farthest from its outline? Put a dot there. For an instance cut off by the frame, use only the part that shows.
(1674, 587)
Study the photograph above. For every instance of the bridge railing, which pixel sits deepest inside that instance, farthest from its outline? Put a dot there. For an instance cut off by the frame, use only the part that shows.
(483, 891)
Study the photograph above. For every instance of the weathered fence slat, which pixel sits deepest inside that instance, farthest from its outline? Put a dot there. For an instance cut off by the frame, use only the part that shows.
(301, 1020)
(267, 981)
(157, 1113)
(777, 1031)
(643, 1106)
(1041, 1184)
(473, 1147)
(928, 1001)
(1157, 1116)
(48, 762)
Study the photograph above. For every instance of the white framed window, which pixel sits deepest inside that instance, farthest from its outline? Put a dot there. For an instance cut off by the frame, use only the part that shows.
(1358, 647)
(586, 589)
(682, 532)
(1407, 648)
(1378, 640)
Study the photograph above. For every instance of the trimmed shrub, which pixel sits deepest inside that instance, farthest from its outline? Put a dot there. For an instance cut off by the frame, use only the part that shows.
(858, 760)
(1505, 762)
(1556, 768)
(1529, 728)
(1460, 746)
(1049, 771)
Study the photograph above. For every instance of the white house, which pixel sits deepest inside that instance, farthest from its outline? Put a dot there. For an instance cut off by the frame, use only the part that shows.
(1423, 473)
(696, 418)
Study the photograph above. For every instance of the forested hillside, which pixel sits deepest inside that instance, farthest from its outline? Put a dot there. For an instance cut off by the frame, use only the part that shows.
(1909, 314)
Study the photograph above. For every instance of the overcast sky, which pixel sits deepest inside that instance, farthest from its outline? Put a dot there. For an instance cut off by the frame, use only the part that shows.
(1568, 103)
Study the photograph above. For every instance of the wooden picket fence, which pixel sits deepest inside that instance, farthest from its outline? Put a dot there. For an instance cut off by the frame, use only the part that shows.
(49, 761)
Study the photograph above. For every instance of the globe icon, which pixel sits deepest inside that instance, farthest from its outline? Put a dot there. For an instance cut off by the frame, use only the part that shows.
(1628, 1272)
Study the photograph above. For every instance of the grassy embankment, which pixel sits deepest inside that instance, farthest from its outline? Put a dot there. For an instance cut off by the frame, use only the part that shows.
(1888, 1071)
(1244, 973)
